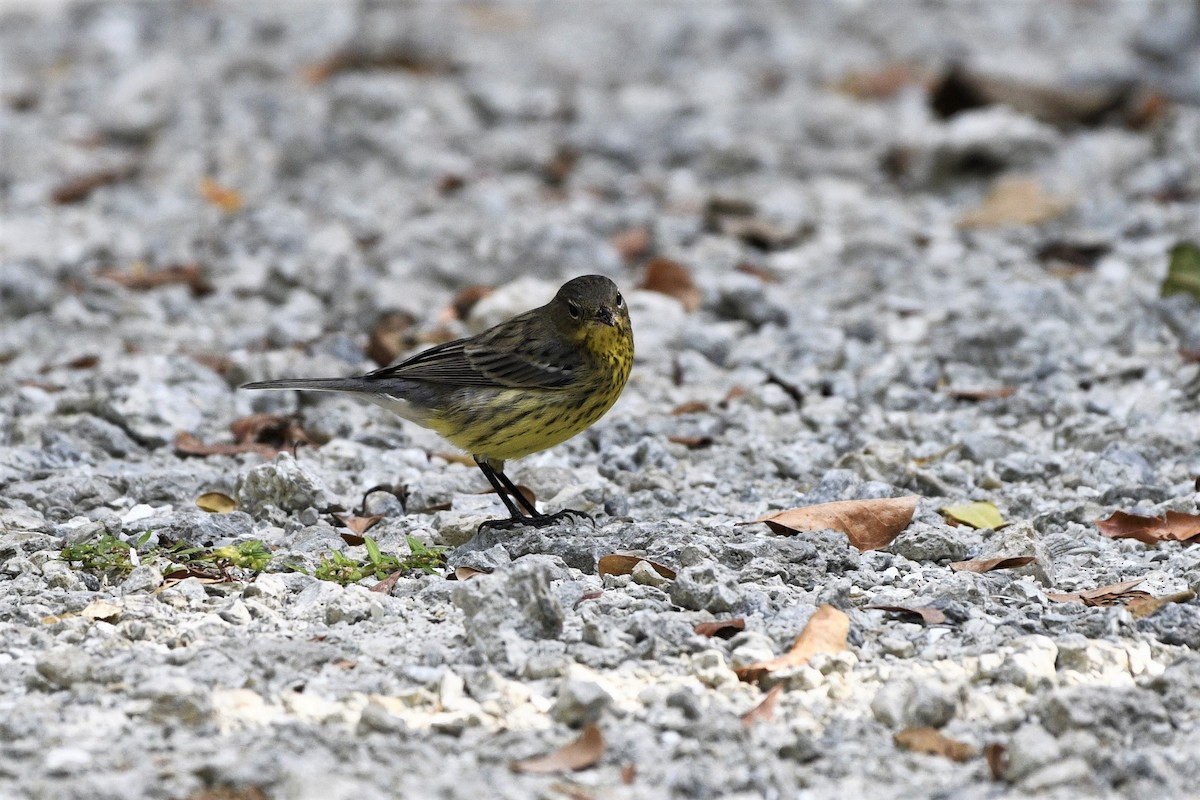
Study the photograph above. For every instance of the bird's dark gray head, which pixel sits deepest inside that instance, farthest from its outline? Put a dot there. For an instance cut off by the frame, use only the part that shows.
(587, 301)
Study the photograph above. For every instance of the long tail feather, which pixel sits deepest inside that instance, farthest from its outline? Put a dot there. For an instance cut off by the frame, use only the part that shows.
(313, 384)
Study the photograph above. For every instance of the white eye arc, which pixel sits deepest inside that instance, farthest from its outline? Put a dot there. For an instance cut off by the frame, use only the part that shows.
(573, 309)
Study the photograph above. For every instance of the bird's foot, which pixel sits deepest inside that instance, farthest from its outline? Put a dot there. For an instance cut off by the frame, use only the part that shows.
(540, 521)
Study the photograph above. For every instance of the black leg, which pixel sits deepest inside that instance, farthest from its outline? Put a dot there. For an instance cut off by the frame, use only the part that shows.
(490, 474)
(518, 495)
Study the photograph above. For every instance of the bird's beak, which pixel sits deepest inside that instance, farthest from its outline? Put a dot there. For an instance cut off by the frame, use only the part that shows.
(605, 315)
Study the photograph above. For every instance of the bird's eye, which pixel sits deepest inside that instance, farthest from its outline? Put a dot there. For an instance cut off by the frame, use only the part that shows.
(573, 309)
(620, 300)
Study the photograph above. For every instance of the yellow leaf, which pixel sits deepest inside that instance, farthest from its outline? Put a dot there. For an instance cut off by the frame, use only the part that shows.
(216, 503)
(977, 515)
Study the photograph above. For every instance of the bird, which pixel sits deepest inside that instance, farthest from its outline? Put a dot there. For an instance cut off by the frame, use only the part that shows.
(520, 387)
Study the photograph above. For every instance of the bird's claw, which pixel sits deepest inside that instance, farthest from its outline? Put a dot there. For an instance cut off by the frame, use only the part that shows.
(540, 521)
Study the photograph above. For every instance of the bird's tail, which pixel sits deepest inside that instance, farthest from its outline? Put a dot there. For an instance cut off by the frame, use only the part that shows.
(313, 384)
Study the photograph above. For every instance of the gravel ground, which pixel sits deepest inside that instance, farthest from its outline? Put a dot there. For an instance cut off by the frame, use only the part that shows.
(867, 326)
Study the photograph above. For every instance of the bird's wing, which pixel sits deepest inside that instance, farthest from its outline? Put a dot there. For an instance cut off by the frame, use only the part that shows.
(495, 358)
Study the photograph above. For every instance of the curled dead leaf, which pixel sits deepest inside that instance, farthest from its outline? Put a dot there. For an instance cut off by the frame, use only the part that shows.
(825, 632)
(928, 615)
(622, 564)
(989, 564)
(869, 524)
(934, 742)
(1175, 526)
(721, 628)
(1110, 595)
(996, 756)
(692, 407)
(579, 754)
(1016, 201)
(673, 279)
(467, 573)
(386, 585)
(977, 515)
(102, 610)
(1145, 606)
(227, 199)
(764, 711)
(357, 524)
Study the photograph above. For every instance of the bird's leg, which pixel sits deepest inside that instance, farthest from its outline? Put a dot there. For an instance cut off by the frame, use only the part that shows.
(490, 474)
(505, 487)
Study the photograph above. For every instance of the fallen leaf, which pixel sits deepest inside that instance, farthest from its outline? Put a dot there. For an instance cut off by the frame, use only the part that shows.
(454, 458)
(869, 524)
(1015, 201)
(721, 628)
(282, 432)
(989, 564)
(734, 393)
(467, 573)
(692, 442)
(996, 756)
(1175, 526)
(825, 632)
(881, 83)
(403, 56)
(465, 300)
(1110, 595)
(224, 198)
(79, 188)
(977, 395)
(140, 279)
(386, 585)
(101, 610)
(692, 407)
(631, 244)
(927, 614)
(621, 564)
(628, 773)
(1183, 271)
(390, 337)
(977, 515)
(450, 183)
(762, 273)
(360, 525)
(934, 742)
(227, 793)
(764, 711)
(216, 503)
(1079, 255)
(579, 754)
(672, 279)
(1144, 607)
(592, 595)
(346, 663)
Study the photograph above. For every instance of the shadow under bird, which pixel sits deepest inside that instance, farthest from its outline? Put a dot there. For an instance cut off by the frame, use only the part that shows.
(522, 386)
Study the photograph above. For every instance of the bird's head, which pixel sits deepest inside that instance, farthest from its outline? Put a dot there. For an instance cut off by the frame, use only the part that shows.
(591, 309)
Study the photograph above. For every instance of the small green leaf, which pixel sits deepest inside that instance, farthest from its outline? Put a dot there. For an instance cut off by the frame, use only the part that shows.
(372, 550)
(976, 515)
(1183, 271)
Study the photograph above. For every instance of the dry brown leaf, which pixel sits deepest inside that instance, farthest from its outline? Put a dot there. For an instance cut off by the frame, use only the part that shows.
(734, 393)
(1016, 201)
(453, 458)
(692, 407)
(673, 279)
(825, 632)
(1174, 527)
(467, 573)
(224, 198)
(632, 243)
(389, 337)
(622, 564)
(1145, 606)
(977, 395)
(101, 610)
(216, 503)
(692, 442)
(79, 188)
(356, 58)
(592, 595)
(579, 754)
(721, 628)
(762, 273)
(359, 525)
(934, 742)
(386, 585)
(281, 432)
(764, 711)
(628, 773)
(188, 445)
(927, 614)
(450, 183)
(465, 300)
(869, 524)
(139, 278)
(996, 756)
(989, 564)
(226, 793)
(1111, 595)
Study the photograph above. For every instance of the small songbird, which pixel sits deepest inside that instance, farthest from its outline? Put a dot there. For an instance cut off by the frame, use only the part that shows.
(523, 386)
